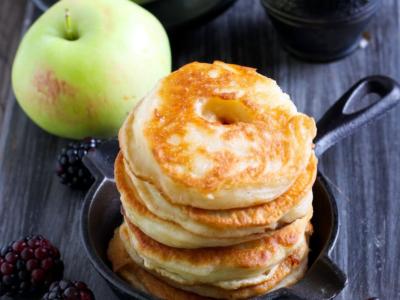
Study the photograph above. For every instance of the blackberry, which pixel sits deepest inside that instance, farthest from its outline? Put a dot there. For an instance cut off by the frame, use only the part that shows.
(28, 266)
(68, 290)
(71, 170)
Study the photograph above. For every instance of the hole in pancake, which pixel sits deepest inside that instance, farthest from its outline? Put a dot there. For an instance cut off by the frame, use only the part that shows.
(225, 112)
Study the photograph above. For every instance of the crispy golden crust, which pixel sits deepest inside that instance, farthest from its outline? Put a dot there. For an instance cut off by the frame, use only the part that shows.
(287, 272)
(182, 90)
(221, 136)
(254, 254)
(123, 265)
(151, 224)
(166, 231)
(260, 215)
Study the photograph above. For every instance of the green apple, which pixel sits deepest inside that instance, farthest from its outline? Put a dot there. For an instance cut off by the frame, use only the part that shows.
(83, 65)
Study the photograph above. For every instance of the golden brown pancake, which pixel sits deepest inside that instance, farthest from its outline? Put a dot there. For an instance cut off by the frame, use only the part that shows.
(233, 266)
(286, 273)
(171, 234)
(123, 265)
(262, 216)
(189, 234)
(217, 136)
(215, 174)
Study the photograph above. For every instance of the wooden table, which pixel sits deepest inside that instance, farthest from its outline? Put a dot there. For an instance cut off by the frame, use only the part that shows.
(365, 167)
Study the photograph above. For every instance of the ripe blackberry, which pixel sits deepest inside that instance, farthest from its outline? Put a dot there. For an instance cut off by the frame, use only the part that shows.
(68, 290)
(28, 266)
(70, 167)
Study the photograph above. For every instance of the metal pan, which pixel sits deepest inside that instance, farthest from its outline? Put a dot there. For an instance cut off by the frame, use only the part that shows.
(324, 280)
(173, 14)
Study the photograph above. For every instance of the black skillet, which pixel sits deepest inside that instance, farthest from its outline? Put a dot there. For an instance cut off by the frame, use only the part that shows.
(174, 14)
(324, 280)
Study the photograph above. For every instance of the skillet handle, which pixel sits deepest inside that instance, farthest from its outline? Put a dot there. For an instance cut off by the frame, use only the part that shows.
(323, 281)
(101, 162)
(338, 123)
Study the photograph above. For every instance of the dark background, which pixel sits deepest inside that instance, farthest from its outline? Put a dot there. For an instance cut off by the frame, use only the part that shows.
(365, 168)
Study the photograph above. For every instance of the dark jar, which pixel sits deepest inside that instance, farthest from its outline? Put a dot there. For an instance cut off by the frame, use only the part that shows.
(320, 30)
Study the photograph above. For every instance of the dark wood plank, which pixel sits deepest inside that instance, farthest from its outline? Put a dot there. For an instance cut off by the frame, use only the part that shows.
(11, 18)
(365, 168)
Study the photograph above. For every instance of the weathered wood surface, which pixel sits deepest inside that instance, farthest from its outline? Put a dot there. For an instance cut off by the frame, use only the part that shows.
(365, 167)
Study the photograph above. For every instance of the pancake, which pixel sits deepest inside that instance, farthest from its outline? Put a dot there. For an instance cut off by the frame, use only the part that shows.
(136, 276)
(215, 175)
(220, 266)
(286, 273)
(290, 206)
(173, 235)
(170, 233)
(260, 143)
(190, 234)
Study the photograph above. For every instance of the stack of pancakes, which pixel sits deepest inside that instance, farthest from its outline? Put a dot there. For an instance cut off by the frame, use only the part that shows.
(215, 173)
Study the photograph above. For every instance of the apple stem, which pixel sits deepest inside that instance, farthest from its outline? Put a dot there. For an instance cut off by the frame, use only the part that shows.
(68, 25)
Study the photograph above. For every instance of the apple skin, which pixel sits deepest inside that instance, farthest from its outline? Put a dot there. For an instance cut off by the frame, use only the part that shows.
(87, 86)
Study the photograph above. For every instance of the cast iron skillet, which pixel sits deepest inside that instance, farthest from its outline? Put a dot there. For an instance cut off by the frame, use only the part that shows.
(324, 280)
